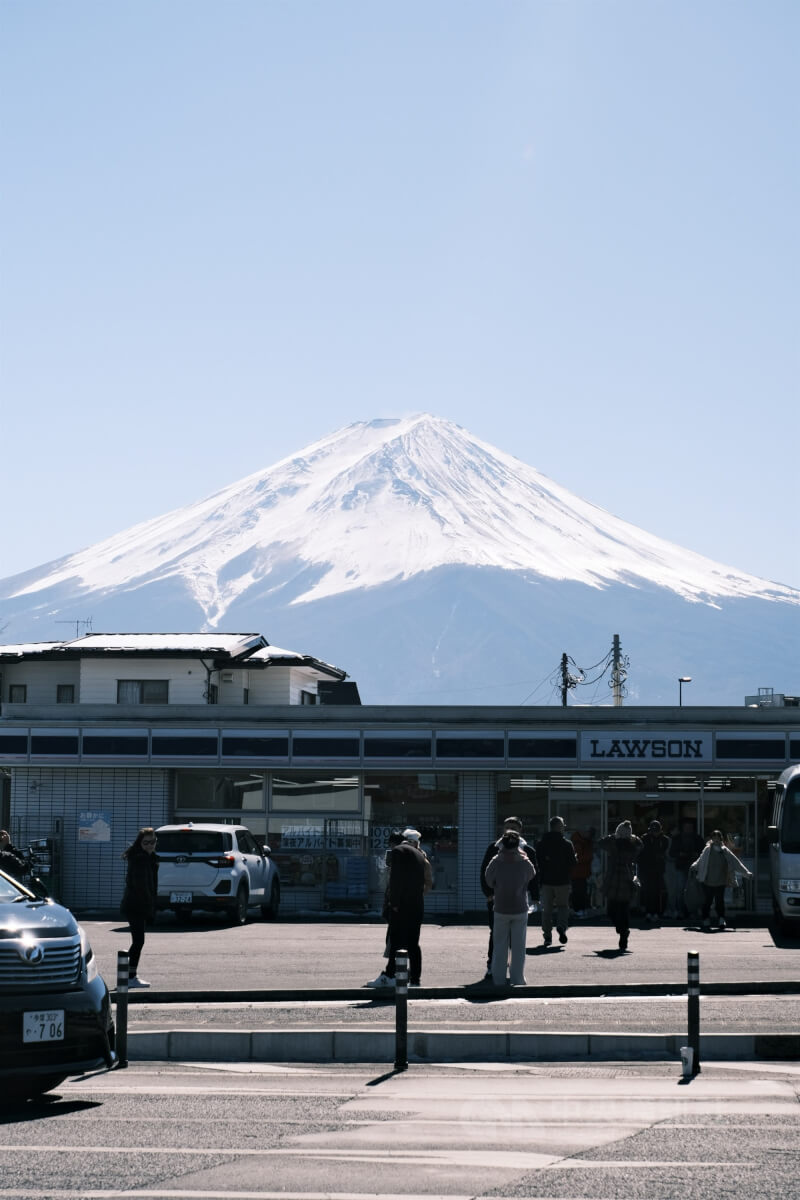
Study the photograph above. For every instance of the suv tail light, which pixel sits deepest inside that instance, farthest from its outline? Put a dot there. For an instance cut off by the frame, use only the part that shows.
(222, 861)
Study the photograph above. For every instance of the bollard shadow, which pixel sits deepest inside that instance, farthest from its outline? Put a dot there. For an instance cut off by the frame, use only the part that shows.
(389, 1075)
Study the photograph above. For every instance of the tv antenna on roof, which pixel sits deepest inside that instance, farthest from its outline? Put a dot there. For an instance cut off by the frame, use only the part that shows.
(86, 622)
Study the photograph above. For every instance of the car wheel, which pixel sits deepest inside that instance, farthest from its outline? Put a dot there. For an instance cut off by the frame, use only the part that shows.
(238, 914)
(29, 1087)
(270, 911)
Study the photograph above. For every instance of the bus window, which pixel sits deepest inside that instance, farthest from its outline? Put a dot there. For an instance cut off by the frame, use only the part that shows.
(790, 832)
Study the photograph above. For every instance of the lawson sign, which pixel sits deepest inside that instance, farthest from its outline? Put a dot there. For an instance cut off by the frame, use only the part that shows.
(662, 748)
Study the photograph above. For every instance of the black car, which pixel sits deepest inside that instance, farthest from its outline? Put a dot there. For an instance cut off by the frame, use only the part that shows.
(55, 1012)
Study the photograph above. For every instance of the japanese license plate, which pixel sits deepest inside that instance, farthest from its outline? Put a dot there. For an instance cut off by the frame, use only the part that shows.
(43, 1026)
(180, 897)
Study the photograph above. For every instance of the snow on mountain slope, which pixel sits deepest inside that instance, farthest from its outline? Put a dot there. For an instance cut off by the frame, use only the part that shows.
(381, 501)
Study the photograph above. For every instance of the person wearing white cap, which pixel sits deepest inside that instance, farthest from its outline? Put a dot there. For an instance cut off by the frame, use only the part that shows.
(410, 877)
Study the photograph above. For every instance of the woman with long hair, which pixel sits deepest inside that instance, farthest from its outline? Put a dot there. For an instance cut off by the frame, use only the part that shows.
(716, 869)
(139, 898)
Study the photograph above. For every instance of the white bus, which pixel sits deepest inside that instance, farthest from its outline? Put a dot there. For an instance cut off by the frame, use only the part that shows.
(784, 850)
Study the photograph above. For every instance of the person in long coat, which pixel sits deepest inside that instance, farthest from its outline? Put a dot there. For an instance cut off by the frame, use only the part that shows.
(139, 898)
(621, 885)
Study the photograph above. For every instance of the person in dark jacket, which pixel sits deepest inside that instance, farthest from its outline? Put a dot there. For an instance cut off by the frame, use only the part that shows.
(583, 841)
(651, 865)
(556, 856)
(512, 825)
(684, 848)
(621, 881)
(410, 877)
(12, 860)
(139, 898)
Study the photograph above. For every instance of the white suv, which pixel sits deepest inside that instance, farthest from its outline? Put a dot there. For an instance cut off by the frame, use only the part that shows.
(215, 867)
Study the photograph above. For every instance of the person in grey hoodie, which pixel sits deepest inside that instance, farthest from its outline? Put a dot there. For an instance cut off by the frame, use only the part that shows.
(509, 874)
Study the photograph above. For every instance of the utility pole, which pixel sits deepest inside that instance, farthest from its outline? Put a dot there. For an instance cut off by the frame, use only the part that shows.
(564, 680)
(616, 673)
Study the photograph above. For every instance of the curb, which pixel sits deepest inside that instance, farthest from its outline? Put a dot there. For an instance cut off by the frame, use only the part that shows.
(784, 987)
(376, 1045)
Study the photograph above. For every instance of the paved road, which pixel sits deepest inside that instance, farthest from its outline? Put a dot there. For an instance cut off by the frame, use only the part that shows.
(317, 956)
(312, 974)
(211, 1132)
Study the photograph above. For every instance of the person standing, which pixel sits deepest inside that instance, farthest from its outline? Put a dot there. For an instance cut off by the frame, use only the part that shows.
(583, 841)
(410, 877)
(139, 898)
(514, 825)
(716, 868)
(684, 848)
(620, 884)
(556, 857)
(509, 875)
(651, 865)
(382, 979)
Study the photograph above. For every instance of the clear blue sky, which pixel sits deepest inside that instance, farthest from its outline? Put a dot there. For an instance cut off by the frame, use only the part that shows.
(569, 225)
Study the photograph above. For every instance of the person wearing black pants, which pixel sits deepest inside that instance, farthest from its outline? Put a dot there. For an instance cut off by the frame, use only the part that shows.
(620, 884)
(139, 898)
(410, 877)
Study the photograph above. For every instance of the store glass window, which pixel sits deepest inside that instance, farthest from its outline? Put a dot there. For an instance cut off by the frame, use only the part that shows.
(325, 854)
(524, 795)
(205, 791)
(315, 792)
(425, 800)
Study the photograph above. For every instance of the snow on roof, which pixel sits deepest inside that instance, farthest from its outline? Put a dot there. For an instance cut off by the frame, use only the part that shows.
(26, 649)
(232, 644)
(251, 648)
(274, 654)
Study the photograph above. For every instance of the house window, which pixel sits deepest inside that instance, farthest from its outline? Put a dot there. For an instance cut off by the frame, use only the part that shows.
(65, 693)
(18, 693)
(308, 698)
(142, 691)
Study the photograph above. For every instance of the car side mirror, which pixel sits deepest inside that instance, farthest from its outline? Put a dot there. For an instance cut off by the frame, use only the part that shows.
(772, 835)
(266, 851)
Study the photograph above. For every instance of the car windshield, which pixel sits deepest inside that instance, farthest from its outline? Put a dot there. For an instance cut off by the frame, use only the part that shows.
(9, 891)
(193, 841)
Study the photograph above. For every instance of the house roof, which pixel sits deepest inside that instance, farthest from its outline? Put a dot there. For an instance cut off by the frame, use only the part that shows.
(227, 649)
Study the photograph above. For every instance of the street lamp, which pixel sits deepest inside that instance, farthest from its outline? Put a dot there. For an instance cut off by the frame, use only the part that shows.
(682, 680)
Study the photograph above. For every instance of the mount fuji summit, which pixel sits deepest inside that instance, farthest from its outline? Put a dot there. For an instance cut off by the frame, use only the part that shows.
(435, 569)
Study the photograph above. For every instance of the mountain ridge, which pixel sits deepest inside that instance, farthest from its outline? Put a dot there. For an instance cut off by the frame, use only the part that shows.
(423, 561)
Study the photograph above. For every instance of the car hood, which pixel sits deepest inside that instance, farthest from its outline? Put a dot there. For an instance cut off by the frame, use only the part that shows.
(39, 917)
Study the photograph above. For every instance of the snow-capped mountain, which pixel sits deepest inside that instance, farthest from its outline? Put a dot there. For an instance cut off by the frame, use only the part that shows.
(374, 518)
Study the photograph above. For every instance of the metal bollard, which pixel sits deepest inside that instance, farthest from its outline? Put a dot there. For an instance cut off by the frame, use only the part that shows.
(123, 969)
(401, 1011)
(693, 973)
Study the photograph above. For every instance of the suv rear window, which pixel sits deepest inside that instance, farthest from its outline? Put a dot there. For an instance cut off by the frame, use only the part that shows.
(193, 841)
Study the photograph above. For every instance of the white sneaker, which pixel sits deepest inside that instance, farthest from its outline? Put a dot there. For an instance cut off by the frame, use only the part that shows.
(382, 981)
(723, 923)
(136, 982)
